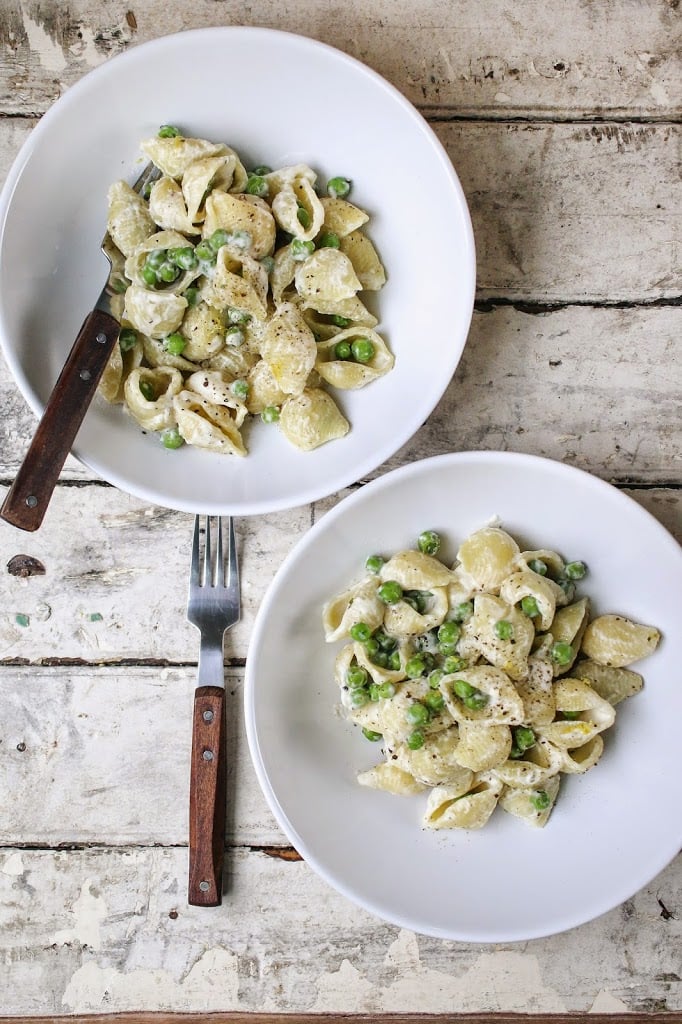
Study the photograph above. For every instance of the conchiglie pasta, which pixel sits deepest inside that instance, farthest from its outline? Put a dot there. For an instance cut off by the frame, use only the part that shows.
(473, 690)
(347, 373)
(312, 419)
(149, 395)
(199, 271)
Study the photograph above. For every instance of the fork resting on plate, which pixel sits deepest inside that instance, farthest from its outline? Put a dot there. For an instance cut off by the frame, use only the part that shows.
(213, 606)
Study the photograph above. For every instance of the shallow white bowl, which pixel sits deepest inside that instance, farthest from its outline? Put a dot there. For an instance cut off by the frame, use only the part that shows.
(612, 830)
(277, 99)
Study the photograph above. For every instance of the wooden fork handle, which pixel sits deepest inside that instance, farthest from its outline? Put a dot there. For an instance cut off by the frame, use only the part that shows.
(27, 499)
(207, 796)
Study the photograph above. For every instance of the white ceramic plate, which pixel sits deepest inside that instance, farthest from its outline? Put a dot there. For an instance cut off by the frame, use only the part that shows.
(277, 99)
(612, 830)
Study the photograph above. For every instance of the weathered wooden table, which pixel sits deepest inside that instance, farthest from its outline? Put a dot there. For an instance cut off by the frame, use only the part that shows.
(563, 122)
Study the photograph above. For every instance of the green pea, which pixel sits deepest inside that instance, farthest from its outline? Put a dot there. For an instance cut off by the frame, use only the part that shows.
(359, 697)
(303, 217)
(469, 695)
(183, 257)
(172, 438)
(575, 570)
(463, 611)
(261, 170)
(428, 542)
(372, 647)
(149, 276)
(504, 629)
(390, 592)
(168, 272)
(270, 414)
(448, 632)
(257, 186)
(329, 240)
(268, 264)
(538, 566)
(386, 691)
(374, 692)
(374, 563)
(524, 738)
(462, 688)
(417, 713)
(240, 389)
(363, 350)
(301, 250)
(540, 800)
(434, 701)
(435, 678)
(127, 339)
(356, 676)
(234, 336)
(476, 701)
(168, 131)
(529, 606)
(338, 187)
(568, 588)
(415, 740)
(452, 664)
(360, 631)
(155, 258)
(373, 737)
(562, 653)
(386, 642)
(342, 350)
(147, 390)
(415, 667)
(192, 296)
(175, 344)
(242, 239)
(394, 661)
(204, 251)
(417, 599)
(237, 316)
(380, 659)
(339, 321)
(571, 716)
(219, 238)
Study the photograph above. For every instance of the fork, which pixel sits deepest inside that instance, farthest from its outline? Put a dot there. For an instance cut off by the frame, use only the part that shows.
(27, 499)
(213, 606)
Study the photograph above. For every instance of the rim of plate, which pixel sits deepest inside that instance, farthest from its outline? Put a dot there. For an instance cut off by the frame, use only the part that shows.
(453, 459)
(439, 384)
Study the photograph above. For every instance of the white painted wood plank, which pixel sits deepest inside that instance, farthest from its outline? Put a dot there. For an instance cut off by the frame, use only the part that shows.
(525, 382)
(102, 931)
(522, 58)
(116, 577)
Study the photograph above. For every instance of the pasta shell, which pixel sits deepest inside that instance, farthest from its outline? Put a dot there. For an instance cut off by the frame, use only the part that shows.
(128, 220)
(360, 603)
(615, 641)
(342, 217)
(365, 259)
(326, 275)
(207, 426)
(613, 684)
(288, 348)
(503, 707)
(311, 419)
(447, 807)
(391, 779)
(519, 802)
(168, 208)
(155, 314)
(345, 373)
(241, 213)
(487, 557)
(174, 155)
(414, 570)
(156, 413)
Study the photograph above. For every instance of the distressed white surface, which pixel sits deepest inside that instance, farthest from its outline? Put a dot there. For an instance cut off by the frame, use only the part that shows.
(283, 941)
(519, 56)
(577, 203)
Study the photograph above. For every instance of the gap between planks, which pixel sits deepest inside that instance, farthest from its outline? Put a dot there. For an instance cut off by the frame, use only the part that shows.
(352, 1018)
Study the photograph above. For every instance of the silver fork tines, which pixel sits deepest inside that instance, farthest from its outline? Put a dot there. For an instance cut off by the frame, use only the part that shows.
(214, 602)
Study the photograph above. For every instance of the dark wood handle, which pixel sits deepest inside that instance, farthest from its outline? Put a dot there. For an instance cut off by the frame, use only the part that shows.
(27, 499)
(207, 796)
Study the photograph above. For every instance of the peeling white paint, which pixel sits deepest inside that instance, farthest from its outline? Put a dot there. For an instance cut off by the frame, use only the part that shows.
(86, 49)
(13, 865)
(88, 912)
(502, 97)
(659, 94)
(211, 984)
(346, 990)
(49, 53)
(605, 1002)
(506, 981)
